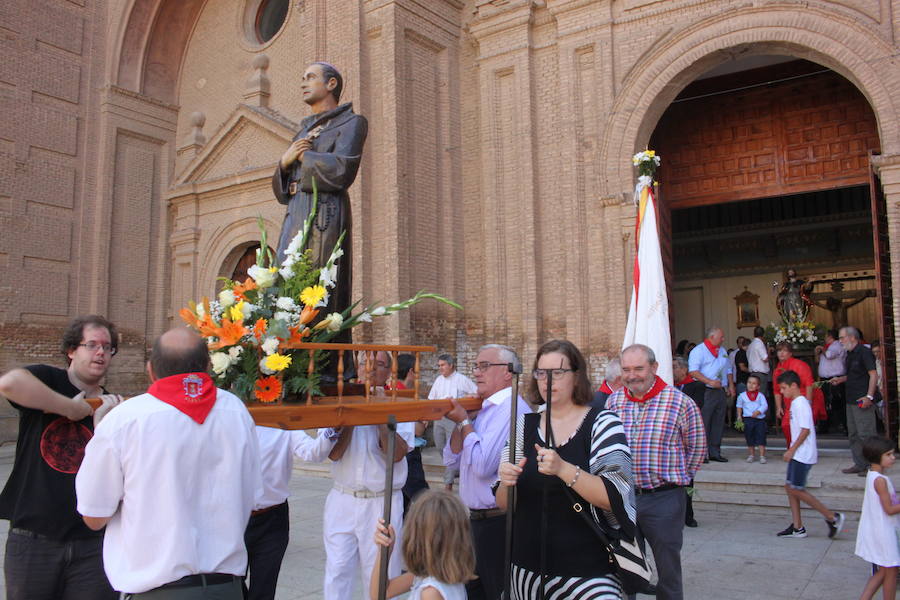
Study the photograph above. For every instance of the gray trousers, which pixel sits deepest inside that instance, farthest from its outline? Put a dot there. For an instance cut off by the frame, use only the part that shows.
(860, 425)
(713, 413)
(221, 591)
(443, 429)
(660, 517)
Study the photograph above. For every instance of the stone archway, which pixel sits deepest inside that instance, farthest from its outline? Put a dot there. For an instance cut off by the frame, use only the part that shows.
(827, 38)
(152, 45)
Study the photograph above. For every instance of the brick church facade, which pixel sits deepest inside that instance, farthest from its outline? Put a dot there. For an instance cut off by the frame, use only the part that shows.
(138, 138)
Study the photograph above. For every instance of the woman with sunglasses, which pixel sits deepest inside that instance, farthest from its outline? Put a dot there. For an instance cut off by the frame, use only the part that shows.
(586, 452)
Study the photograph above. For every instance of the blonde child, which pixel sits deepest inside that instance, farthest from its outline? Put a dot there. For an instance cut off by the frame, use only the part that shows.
(437, 549)
(751, 410)
(876, 538)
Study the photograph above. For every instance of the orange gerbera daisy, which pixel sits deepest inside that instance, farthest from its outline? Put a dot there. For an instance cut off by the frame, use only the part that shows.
(268, 389)
(229, 334)
(240, 288)
(259, 329)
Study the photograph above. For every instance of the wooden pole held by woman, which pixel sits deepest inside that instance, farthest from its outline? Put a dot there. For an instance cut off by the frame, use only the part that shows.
(388, 495)
(511, 492)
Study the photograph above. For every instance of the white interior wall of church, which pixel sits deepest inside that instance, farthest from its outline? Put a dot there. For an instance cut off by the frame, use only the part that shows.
(703, 303)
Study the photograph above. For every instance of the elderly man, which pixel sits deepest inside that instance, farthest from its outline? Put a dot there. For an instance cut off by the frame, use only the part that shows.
(666, 436)
(474, 449)
(449, 384)
(612, 381)
(709, 364)
(861, 380)
(173, 475)
(356, 501)
(50, 553)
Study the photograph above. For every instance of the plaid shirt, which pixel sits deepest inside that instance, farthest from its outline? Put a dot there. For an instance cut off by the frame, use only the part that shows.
(666, 436)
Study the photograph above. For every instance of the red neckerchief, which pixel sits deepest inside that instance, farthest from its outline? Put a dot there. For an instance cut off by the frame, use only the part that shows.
(194, 394)
(605, 388)
(654, 391)
(752, 395)
(714, 350)
(687, 379)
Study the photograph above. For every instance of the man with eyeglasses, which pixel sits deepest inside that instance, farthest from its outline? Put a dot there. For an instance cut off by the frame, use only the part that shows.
(474, 449)
(356, 501)
(50, 553)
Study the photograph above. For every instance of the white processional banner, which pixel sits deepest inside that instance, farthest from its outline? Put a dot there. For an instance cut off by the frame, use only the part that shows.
(648, 315)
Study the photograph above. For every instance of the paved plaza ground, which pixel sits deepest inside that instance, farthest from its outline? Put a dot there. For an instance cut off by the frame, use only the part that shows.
(732, 555)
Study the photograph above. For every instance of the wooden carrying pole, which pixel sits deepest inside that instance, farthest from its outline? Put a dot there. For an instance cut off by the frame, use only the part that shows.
(388, 496)
(511, 491)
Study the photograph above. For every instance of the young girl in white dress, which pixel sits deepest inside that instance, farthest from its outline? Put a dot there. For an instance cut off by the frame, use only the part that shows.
(877, 539)
(437, 549)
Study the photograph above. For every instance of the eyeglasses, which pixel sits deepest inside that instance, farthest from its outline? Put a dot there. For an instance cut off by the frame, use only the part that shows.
(485, 365)
(94, 346)
(542, 373)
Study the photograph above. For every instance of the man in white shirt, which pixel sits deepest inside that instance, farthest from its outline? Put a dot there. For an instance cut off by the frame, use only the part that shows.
(449, 384)
(267, 534)
(758, 360)
(173, 475)
(356, 501)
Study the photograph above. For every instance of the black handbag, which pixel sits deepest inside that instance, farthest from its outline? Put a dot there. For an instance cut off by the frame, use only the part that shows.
(626, 557)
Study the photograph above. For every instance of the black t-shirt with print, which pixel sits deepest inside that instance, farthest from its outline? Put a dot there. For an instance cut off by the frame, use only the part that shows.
(40, 493)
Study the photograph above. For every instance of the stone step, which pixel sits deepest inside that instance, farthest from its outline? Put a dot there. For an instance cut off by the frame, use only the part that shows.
(766, 503)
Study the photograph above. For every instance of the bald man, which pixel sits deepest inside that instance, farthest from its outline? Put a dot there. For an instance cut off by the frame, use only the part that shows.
(173, 475)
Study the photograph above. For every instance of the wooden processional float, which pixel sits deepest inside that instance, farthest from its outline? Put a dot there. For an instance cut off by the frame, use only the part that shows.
(345, 404)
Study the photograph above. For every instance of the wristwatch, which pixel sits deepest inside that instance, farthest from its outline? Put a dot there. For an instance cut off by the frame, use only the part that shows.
(464, 422)
(870, 397)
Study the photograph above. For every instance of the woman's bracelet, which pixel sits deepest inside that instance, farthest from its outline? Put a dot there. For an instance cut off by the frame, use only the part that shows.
(574, 479)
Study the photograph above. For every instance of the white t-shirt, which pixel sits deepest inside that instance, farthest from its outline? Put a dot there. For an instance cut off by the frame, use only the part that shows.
(757, 356)
(362, 465)
(179, 493)
(455, 386)
(277, 448)
(801, 418)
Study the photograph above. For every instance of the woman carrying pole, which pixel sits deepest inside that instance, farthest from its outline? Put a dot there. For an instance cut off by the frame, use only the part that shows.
(586, 452)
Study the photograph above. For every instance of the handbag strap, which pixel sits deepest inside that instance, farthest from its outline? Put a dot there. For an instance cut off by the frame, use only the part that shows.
(578, 507)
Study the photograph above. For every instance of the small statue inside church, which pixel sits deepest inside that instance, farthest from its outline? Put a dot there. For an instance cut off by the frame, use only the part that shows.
(793, 300)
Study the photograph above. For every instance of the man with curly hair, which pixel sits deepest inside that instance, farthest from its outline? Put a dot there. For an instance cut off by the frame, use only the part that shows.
(50, 553)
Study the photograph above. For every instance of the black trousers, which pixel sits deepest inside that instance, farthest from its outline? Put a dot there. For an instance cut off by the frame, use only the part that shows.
(415, 477)
(489, 536)
(42, 569)
(266, 538)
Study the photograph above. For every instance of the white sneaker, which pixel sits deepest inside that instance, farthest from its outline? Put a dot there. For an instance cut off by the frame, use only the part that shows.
(750, 459)
(762, 460)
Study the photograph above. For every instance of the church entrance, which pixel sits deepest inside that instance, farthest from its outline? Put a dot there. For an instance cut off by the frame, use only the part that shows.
(765, 168)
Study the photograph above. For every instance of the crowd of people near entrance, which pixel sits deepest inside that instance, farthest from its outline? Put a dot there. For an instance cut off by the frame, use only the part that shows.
(176, 494)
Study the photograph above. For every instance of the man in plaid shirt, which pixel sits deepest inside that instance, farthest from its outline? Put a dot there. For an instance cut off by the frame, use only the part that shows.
(668, 444)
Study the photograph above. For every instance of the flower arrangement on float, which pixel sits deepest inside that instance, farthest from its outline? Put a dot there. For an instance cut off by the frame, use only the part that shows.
(249, 326)
(799, 333)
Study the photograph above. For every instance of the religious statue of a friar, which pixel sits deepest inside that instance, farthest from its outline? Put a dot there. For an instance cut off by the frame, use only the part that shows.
(328, 148)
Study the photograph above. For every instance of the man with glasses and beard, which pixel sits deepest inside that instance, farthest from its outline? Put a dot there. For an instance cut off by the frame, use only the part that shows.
(474, 449)
(667, 440)
(50, 553)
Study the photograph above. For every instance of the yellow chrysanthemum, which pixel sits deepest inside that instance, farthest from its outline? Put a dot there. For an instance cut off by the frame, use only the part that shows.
(236, 312)
(312, 295)
(277, 362)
